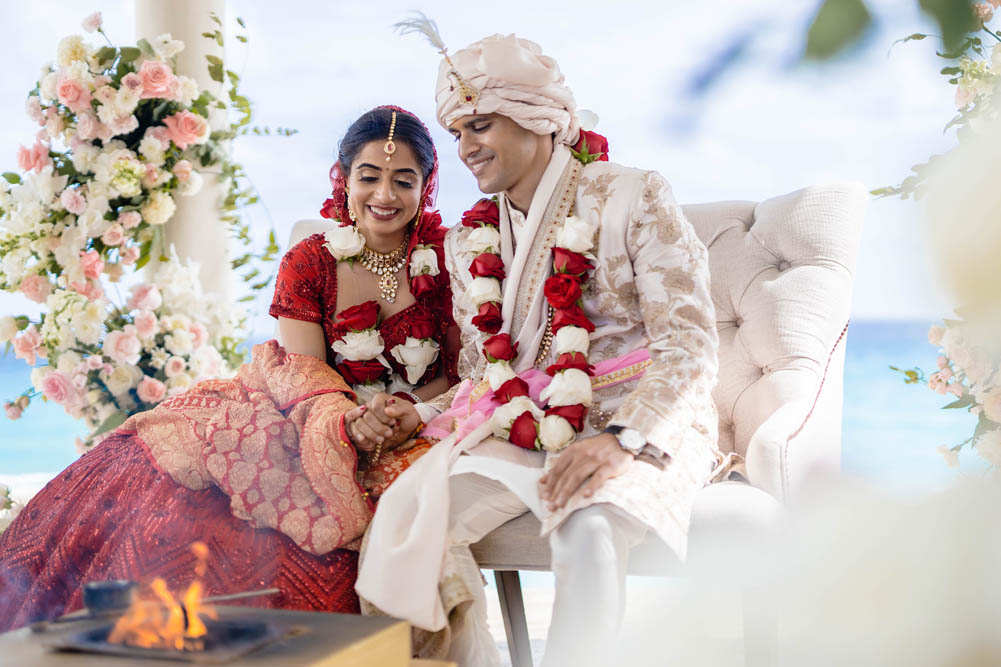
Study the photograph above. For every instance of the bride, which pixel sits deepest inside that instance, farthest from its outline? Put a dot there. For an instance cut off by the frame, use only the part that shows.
(274, 470)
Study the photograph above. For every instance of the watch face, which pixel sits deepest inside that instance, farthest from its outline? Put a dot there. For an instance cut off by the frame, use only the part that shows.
(631, 440)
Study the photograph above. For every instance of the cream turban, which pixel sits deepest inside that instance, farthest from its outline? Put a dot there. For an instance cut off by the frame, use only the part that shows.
(514, 79)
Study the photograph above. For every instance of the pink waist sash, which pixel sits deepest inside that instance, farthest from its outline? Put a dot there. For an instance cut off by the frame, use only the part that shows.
(467, 414)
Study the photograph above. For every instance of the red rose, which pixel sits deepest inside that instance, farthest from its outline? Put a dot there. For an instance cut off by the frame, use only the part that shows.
(422, 328)
(488, 265)
(422, 284)
(597, 146)
(568, 261)
(488, 319)
(562, 290)
(524, 431)
(499, 347)
(329, 210)
(572, 413)
(360, 372)
(358, 318)
(572, 316)
(485, 211)
(567, 360)
(513, 387)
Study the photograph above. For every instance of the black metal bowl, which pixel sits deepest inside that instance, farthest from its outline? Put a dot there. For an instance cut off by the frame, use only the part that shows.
(99, 596)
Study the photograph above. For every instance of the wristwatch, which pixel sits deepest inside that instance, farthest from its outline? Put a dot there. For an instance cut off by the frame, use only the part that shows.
(629, 439)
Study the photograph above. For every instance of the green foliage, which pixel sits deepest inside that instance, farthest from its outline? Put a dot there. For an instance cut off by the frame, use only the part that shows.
(837, 25)
(130, 54)
(911, 375)
(584, 155)
(112, 422)
(11, 177)
(955, 18)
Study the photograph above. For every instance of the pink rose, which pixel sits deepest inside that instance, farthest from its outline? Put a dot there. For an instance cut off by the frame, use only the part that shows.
(73, 94)
(87, 126)
(92, 22)
(36, 287)
(105, 94)
(73, 201)
(91, 264)
(159, 133)
(937, 383)
(145, 324)
(182, 170)
(88, 288)
(151, 390)
(13, 410)
(175, 366)
(964, 96)
(33, 107)
(145, 297)
(58, 387)
(129, 219)
(94, 362)
(123, 346)
(129, 256)
(27, 343)
(133, 82)
(36, 157)
(941, 362)
(983, 12)
(124, 125)
(956, 388)
(151, 176)
(199, 334)
(158, 80)
(185, 128)
(114, 235)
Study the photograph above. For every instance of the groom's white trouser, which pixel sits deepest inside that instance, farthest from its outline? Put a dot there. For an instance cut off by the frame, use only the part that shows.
(590, 553)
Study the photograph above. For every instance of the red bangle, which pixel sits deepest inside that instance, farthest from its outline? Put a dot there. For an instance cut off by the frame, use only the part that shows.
(407, 396)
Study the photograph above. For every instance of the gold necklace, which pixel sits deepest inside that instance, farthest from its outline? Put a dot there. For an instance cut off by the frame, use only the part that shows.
(386, 266)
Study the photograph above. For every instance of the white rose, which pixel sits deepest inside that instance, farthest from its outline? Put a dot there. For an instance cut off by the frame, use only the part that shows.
(68, 362)
(122, 379)
(424, 260)
(192, 186)
(166, 46)
(396, 383)
(416, 354)
(504, 416)
(498, 373)
(555, 433)
(366, 392)
(84, 157)
(568, 387)
(189, 90)
(8, 328)
(159, 208)
(482, 239)
(38, 374)
(344, 242)
(571, 339)
(359, 345)
(47, 86)
(178, 383)
(576, 234)
(179, 342)
(483, 290)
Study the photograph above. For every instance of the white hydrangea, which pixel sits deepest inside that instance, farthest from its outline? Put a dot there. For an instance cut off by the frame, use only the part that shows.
(159, 208)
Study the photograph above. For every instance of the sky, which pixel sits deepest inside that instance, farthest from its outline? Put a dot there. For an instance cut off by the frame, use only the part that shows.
(767, 126)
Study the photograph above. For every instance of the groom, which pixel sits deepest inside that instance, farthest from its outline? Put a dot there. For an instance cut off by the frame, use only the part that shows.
(587, 272)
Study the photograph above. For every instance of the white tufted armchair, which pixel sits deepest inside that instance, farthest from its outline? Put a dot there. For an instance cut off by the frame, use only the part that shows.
(782, 273)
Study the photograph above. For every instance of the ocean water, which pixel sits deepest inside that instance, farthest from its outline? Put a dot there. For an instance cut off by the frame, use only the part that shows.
(890, 429)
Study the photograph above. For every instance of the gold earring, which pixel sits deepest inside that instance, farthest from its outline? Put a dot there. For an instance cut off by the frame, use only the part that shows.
(347, 204)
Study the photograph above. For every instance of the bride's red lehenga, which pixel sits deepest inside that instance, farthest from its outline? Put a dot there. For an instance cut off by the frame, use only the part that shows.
(257, 467)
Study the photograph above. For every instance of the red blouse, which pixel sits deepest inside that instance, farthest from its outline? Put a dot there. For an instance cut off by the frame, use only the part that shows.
(306, 289)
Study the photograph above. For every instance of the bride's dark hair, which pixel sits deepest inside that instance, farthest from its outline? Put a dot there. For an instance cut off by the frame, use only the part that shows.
(374, 126)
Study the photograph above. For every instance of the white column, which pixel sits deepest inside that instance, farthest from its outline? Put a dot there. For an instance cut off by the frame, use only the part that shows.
(195, 230)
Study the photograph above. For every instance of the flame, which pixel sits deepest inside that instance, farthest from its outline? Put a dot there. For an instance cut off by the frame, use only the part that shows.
(163, 621)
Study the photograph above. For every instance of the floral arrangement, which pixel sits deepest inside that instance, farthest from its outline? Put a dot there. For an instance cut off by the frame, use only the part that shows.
(975, 70)
(361, 350)
(9, 508)
(568, 396)
(121, 136)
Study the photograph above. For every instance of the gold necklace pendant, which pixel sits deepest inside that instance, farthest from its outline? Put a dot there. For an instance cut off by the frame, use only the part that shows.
(386, 266)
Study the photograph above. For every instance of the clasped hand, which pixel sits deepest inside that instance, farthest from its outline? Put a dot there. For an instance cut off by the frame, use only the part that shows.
(385, 420)
(582, 468)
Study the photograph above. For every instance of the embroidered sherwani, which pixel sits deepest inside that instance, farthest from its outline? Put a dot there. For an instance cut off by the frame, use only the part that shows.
(650, 290)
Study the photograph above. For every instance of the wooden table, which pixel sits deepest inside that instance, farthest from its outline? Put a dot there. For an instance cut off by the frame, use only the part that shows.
(327, 640)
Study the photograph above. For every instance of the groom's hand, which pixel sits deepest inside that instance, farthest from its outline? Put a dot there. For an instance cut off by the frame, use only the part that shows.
(369, 425)
(582, 468)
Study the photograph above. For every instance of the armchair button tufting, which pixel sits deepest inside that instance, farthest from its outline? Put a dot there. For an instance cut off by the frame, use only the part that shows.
(783, 266)
(738, 322)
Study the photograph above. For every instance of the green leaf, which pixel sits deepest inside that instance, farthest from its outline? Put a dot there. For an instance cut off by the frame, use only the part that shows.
(146, 47)
(249, 297)
(112, 422)
(144, 254)
(215, 60)
(242, 38)
(106, 54)
(11, 177)
(837, 25)
(214, 17)
(955, 19)
(130, 53)
(241, 22)
(963, 402)
(215, 70)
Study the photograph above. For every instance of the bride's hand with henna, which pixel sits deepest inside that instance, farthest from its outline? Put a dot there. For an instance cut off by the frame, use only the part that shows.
(385, 420)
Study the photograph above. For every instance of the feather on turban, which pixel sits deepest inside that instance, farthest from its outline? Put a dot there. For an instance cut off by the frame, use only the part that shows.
(514, 79)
